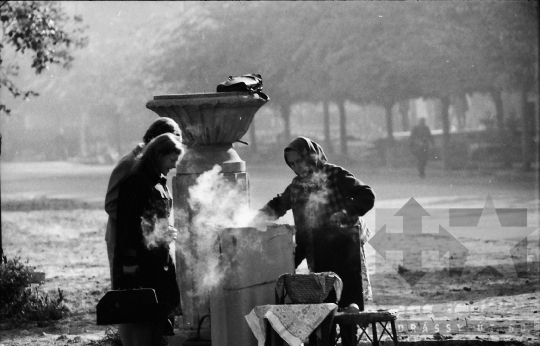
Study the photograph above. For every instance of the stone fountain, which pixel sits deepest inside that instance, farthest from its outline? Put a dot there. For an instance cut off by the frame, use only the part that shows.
(210, 124)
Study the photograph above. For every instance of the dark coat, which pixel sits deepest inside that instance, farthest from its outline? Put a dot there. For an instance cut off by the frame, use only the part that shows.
(144, 198)
(326, 246)
(420, 141)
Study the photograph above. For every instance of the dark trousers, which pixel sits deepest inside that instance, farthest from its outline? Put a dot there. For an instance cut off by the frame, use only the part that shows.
(422, 156)
(341, 254)
(421, 166)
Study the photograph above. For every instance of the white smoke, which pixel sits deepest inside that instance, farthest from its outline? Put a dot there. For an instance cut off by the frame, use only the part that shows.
(217, 204)
(318, 197)
(154, 230)
(220, 202)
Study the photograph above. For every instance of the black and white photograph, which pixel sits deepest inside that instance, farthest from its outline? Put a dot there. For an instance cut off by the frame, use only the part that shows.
(269, 173)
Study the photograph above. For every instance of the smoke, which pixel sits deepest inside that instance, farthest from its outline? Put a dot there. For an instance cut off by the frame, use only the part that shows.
(317, 198)
(217, 204)
(154, 230)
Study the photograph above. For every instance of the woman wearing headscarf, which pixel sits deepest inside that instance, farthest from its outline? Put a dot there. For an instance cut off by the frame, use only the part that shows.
(327, 203)
(143, 236)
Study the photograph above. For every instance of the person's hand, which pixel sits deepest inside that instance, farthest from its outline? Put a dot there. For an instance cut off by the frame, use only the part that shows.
(339, 218)
(170, 235)
(260, 221)
(351, 309)
(164, 233)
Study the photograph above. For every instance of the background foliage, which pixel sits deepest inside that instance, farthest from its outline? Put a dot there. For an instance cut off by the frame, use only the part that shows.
(364, 53)
(39, 29)
(19, 302)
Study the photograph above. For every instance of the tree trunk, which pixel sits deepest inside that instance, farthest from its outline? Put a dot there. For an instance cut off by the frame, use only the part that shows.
(253, 135)
(343, 128)
(119, 134)
(82, 135)
(404, 112)
(1, 246)
(286, 114)
(503, 135)
(460, 107)
(389, 121)
(528, 126)
(499, 110)
(389, 143)
(326, 123)
(414, 112)
(445, 122)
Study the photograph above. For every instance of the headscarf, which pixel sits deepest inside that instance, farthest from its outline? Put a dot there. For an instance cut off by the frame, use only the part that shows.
(309, 150)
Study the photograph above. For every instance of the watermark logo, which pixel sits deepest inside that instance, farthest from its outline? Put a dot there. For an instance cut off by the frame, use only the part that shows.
(417, 232)
(465, 326)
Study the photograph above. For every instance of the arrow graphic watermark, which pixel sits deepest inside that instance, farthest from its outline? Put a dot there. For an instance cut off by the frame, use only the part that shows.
(421, 230)
(412, 242)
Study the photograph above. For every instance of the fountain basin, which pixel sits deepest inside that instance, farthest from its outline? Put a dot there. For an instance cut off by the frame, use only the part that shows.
(209, 118)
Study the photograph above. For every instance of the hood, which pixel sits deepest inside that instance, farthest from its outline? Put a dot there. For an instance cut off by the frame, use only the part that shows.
(309, 150)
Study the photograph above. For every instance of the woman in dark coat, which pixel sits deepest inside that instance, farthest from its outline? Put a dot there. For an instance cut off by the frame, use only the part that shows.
(327, 203)
(143, 236)
(121, 172)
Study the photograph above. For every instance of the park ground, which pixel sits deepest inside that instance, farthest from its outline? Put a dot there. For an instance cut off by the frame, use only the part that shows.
(52, 216)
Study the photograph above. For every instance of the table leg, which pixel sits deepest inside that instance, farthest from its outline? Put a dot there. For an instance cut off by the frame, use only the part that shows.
(272, 337)
(348, 334)
(328, 332)
(375, 338)
(394, 334)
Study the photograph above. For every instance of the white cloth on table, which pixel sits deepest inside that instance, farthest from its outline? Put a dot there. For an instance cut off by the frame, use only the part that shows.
(293, 322)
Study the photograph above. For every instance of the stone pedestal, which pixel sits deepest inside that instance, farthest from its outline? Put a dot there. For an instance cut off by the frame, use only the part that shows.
(252, 260)
(210, 124)
(188, 171)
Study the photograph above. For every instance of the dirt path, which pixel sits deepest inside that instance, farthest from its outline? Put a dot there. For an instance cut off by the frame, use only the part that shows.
(481, 304)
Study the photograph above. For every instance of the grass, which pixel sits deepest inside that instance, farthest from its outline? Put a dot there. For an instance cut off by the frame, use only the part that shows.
(67, 244)
(44, 203)
(65, 239)
(63, 244)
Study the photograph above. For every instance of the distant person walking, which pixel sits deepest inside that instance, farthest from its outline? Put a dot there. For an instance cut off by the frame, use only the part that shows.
(121, 171)
(421, 141)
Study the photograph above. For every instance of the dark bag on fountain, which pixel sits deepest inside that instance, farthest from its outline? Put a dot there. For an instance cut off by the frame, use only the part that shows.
(128, 306)
(249, 82)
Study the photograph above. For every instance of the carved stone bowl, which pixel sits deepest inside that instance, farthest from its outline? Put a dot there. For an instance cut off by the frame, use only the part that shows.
(209, 118)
